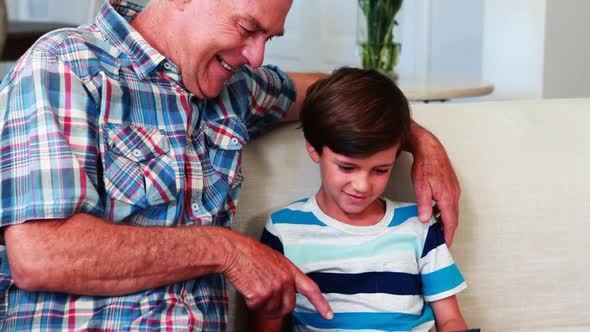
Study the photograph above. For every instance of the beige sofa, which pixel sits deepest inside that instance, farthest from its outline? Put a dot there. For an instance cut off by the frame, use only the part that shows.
(524, 239)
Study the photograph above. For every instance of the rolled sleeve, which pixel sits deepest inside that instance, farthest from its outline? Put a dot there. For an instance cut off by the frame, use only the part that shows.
(48, 135)
(270, 95)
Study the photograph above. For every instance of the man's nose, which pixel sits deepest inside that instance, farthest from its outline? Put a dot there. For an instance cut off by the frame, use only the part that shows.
(254, 51)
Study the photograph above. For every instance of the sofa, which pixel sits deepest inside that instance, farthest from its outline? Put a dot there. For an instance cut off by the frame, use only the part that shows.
(523, 243)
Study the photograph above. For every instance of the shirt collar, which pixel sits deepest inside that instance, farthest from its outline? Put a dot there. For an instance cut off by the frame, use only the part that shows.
(113, 21)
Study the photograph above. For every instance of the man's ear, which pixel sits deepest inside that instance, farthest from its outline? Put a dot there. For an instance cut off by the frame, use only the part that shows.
(313, 154)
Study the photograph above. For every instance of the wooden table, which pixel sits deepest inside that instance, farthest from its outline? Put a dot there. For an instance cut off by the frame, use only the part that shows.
(442, 89)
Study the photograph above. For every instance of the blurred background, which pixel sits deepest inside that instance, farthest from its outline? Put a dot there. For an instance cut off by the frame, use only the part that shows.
(528, 49)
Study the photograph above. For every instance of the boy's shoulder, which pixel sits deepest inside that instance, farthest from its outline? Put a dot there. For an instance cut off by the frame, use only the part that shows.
(299, 212)
(405, 214)
(298, 205)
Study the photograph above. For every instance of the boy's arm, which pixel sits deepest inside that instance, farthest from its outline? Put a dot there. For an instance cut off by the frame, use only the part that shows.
(259, 322)
(447, 315)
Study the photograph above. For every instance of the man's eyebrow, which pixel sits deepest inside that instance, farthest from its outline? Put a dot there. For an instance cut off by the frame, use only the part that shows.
(262, 29)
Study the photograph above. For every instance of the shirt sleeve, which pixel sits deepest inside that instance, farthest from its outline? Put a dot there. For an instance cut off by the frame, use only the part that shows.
(440, 276)
(48, 139)
(271, 238)
(270, 95)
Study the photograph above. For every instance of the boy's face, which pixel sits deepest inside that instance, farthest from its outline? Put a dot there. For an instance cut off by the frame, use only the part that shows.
(351, 186)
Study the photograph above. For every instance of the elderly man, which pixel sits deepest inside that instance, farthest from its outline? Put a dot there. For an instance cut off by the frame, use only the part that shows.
(139, 120)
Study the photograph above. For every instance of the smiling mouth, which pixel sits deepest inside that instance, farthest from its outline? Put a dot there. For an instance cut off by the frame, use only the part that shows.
(224, 64)
(355, 197)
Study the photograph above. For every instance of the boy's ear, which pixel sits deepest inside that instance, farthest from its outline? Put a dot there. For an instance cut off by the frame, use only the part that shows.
(313, 154)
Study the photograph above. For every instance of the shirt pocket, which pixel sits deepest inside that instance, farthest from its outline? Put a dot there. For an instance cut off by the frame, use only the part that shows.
(138, 168)
(225, 140)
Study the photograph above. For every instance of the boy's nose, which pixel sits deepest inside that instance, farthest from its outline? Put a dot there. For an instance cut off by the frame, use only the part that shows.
(361, 183)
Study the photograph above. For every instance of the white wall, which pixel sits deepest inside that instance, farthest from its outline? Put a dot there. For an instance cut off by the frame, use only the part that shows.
(567, 51)
(527, 48)
(537, 48)
(67, 11)
(413, 32)
(513, 47)
(456, 38)
(322, 35)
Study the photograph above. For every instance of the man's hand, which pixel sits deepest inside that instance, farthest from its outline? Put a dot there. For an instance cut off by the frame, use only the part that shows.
(267, 280)
(434, 179)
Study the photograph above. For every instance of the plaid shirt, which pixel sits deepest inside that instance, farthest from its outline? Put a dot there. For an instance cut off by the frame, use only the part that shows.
(95, 120)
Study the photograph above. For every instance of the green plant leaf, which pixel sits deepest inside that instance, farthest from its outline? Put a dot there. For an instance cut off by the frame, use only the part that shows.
(379, 51)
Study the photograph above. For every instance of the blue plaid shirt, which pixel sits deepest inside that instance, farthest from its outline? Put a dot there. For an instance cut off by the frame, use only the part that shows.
(94, 120)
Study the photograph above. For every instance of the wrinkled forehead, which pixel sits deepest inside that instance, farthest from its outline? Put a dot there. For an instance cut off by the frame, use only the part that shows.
(270, 14)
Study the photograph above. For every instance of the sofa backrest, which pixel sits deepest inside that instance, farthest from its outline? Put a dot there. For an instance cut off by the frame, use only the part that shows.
(524, 234)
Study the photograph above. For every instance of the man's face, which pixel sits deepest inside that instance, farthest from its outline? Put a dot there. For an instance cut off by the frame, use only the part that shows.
(223, 35)
(351, 186)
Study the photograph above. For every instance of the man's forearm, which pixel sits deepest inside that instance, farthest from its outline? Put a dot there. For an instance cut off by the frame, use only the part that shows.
(302, 82)
(88, 256)
(418, 136)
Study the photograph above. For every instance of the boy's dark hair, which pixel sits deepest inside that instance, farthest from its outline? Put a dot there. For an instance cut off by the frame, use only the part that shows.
(355, 112)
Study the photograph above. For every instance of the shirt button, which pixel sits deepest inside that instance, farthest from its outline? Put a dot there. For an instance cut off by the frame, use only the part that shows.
(195, 206)
(234, 141)
(137, 153)
(167, 65)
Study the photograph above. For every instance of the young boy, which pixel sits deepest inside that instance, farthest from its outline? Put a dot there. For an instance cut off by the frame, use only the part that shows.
(378, 266)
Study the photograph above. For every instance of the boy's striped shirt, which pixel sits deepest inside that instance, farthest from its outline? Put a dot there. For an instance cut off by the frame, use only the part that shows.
(376, 278)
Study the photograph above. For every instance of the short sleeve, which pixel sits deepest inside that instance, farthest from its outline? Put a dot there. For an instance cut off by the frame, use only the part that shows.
(271, 238)
(267, 94)
(48, 139)
(440, 276)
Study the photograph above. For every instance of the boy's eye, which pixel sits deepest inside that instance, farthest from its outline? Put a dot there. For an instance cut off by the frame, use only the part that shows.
(382, 170)
(345, 168)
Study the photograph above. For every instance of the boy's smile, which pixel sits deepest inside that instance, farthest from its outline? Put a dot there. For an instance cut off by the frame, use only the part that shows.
(351, 187)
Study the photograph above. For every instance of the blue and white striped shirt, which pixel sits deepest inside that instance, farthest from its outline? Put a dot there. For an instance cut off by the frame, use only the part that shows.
(376, 278)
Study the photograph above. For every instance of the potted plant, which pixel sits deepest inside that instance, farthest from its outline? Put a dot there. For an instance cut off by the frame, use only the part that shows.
(377, 20)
